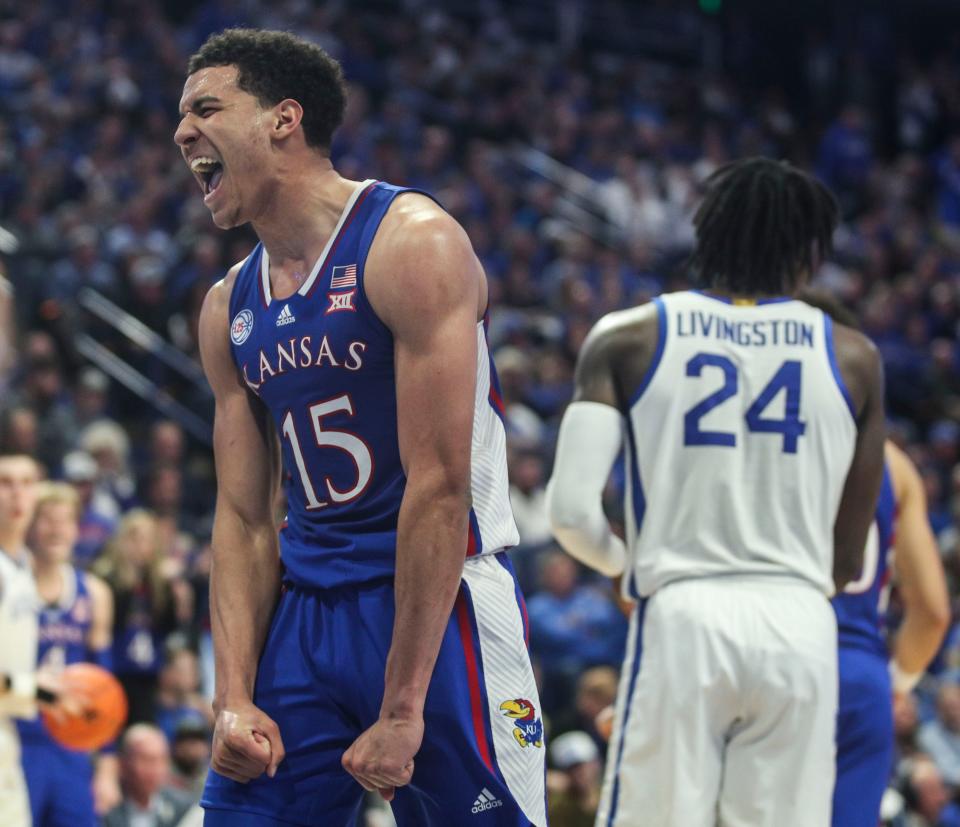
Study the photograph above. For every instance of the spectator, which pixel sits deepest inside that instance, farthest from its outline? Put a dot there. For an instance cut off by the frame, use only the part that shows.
(190, 752)
(107, 442)
(178, 694)
(572, 626)
(940, 738)
(148, 799)
(528, 498)
(98, 510)
(927, 800)
(149, 598)
(575, 785)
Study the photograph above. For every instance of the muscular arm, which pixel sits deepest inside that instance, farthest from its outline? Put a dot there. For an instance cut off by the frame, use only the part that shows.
(245, 569)
(426, 284)
(431, 305)
(609, 369)
(918, 570)
(861, 369)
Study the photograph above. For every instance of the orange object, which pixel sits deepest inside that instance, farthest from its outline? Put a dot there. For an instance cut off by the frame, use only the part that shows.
(104, 709)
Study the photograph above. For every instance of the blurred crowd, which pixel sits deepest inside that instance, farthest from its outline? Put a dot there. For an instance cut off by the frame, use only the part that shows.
(573, 164)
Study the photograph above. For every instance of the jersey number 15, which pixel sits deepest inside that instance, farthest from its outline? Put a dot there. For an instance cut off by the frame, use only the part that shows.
(351, 444)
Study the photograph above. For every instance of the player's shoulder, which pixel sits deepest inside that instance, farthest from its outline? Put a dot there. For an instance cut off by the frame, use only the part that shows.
(421, 261)
(858, 360)
(416, 227)
(96, 586)
(904, 475)
(216, 304)
(622, 330)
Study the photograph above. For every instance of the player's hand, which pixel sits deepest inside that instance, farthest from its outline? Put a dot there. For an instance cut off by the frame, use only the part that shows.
(382, 757)
(69, 702)
(246, 743)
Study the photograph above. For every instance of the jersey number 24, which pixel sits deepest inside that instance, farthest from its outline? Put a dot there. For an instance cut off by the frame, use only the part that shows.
(786, 378)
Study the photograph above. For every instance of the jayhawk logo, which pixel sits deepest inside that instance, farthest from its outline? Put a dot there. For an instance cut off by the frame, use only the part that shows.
(529, 729)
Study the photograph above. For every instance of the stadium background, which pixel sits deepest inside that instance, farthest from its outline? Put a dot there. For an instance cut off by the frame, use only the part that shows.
(570, 139)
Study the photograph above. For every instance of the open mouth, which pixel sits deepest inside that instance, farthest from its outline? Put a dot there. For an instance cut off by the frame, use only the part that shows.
(209, 172)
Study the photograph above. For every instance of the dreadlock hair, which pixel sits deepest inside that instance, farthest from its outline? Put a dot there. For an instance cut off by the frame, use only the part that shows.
(762, 226)
(273, 66)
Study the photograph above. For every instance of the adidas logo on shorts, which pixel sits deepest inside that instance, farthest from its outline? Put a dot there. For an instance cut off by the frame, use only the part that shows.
(485, 801)
(285, 317)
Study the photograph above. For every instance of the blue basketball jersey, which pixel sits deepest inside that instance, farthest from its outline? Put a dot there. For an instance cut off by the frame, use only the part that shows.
(858, 607)
(63, 629)
(323, 364)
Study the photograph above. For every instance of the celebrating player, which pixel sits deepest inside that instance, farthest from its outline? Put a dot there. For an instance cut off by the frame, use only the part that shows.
(754, 453)
(351, 345)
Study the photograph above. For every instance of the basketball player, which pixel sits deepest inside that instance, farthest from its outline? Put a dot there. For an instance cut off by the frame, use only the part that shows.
(755, 453)
(865, 719)
(899, 539)
(350, 345)
(22, 687)
(76, 625)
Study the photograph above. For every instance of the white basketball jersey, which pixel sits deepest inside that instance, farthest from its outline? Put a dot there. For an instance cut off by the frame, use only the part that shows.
(18, 627)
(739, 443)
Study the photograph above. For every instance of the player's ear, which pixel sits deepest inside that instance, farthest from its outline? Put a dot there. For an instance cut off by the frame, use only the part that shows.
(287, 116)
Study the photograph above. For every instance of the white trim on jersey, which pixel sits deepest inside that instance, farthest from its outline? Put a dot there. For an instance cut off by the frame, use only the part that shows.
(488, 463)
(507, 676)
(321, 260)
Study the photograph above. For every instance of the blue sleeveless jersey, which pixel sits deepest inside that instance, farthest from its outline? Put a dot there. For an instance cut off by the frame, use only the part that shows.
(323, 364)
(858, 607)
(63, 629)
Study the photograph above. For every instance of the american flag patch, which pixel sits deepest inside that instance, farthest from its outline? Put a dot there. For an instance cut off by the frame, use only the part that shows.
(343, 276)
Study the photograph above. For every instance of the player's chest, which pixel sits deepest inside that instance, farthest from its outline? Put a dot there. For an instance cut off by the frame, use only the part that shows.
(299, 346)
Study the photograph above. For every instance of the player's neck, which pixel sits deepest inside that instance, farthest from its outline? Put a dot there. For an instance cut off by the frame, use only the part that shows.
(294, 228)
(49, 578)
(12, 541)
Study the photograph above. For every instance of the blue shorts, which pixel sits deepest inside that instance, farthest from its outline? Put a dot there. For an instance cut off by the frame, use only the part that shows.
(864, 738)
(59, 782)
(321, 679)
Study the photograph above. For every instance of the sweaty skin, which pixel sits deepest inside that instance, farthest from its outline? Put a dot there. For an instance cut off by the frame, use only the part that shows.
(425, 283)
(617, 353)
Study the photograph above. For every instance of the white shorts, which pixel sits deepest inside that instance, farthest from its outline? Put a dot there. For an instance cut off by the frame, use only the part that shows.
(14, 802)
(727, 708)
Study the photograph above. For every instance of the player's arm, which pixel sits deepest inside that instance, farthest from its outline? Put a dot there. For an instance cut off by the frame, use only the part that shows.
(245, 569)
(920, 577)
(590, 439)
(862, 371)
(430, 295)
(100, 636)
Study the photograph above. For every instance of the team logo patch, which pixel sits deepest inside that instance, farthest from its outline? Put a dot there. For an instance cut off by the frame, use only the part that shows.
(528, 729)
(341, 301)
(81, 610)
(242, 327)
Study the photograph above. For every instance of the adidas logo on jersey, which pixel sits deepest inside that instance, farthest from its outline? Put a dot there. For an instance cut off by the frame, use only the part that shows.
(485, 801)
(285, 317)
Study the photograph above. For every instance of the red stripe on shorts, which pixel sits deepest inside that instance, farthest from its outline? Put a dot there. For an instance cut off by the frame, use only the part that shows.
(473, 679)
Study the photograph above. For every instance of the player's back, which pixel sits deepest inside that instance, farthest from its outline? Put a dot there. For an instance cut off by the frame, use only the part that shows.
(740, 439)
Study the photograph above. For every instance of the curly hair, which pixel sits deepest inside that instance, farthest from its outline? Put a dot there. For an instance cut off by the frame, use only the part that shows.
(273, 66)
(761, 226)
